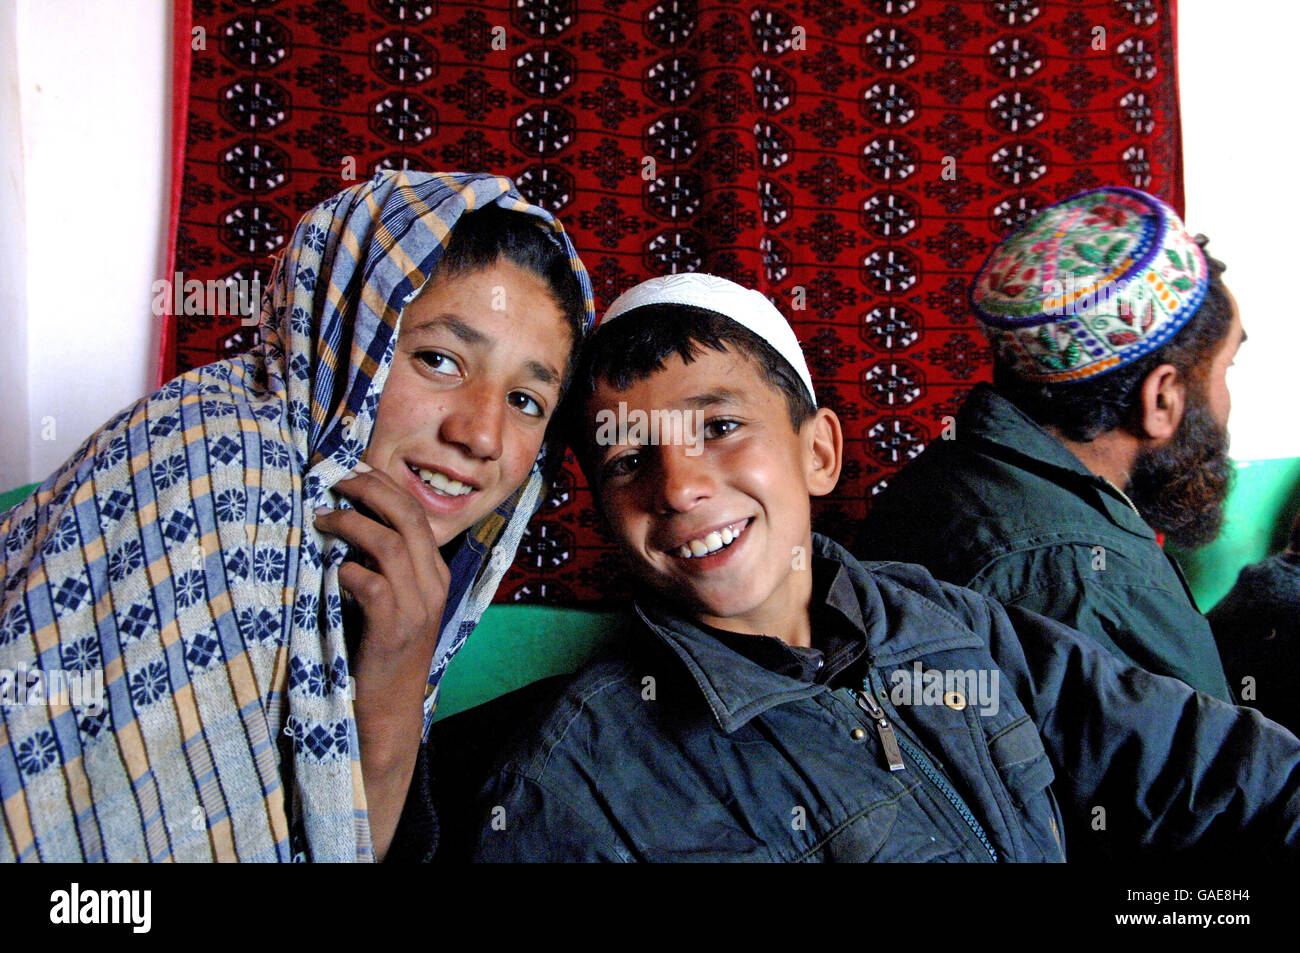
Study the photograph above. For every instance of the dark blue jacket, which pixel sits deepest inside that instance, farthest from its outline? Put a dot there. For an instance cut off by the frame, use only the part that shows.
(680, 748)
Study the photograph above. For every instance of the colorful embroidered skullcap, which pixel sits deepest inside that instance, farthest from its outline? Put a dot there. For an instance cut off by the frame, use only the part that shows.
(1088, 285)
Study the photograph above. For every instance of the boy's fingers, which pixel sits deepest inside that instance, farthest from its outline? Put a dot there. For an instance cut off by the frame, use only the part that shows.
(406, 549)
(374, 594)
(415, 529)
(383, 545)
(366, 586)
(394, 505)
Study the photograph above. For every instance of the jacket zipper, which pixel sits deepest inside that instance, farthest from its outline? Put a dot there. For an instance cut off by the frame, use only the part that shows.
(891, 742)
(888, 740)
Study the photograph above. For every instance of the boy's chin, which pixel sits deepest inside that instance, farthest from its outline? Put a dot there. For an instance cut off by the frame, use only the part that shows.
(446, 526)
(712, 607)
(444, 529)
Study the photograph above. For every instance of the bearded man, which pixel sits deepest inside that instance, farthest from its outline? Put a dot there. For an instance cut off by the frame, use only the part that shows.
(1103, 435)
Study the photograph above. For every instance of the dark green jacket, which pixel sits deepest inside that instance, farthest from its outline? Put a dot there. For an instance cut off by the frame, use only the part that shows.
(685, 744)
(1005, 509)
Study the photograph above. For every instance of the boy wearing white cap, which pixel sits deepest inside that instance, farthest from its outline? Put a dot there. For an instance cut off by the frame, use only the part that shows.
(773, 698)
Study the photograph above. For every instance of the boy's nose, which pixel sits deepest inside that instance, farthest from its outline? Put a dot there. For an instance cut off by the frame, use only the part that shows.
(684, 479)
(475, 423)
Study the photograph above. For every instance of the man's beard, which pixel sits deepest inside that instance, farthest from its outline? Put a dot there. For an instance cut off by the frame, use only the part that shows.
(1180, 488)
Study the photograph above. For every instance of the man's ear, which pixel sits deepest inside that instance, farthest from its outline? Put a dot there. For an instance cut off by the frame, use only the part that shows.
(824, 445)
(1162, 401)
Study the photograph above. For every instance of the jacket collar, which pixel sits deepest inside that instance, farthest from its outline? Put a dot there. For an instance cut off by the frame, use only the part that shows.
(1009, 432)
(738, 688)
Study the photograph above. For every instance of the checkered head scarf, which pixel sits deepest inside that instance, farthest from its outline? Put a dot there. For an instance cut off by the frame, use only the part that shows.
(169, 587)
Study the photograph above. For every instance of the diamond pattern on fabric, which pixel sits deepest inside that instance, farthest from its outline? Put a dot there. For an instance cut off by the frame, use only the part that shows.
(225, 449)
(202, 651)
(177, 526)
(136, 621)
(114, 504)
(71, 593)
(275, 508)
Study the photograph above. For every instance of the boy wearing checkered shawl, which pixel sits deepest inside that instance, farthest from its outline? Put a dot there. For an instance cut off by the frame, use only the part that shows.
(176, 553)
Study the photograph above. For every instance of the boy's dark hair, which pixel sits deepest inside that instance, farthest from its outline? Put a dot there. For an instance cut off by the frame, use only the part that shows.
(492, 232)
(1083, 410)
(636, 344)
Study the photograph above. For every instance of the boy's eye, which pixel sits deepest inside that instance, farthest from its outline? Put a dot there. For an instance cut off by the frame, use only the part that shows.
(622, 465)
(438, 362)
(526, 404)
(719, 427)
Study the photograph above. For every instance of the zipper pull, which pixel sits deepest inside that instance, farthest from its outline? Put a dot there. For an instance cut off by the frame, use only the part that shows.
(888, 740)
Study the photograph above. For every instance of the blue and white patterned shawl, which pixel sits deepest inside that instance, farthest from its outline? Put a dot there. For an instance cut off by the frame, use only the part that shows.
(174, 557)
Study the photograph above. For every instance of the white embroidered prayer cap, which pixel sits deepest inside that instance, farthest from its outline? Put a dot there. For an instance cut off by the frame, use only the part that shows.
(748, 308)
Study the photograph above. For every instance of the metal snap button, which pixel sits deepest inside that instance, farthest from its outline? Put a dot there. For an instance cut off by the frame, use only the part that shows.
(954, 700)
(857, 734)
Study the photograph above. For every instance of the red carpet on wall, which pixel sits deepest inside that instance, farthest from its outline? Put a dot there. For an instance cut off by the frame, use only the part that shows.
(853, 160)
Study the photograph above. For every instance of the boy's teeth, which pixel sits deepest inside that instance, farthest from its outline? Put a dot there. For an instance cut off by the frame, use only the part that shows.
(710, 543)
(443, 484)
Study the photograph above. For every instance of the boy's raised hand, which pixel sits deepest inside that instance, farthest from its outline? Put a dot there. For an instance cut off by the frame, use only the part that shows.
(400, 582)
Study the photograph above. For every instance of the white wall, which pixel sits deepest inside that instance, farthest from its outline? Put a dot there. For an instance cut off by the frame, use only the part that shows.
(1238, 83)
(92, 82)
(15, 456)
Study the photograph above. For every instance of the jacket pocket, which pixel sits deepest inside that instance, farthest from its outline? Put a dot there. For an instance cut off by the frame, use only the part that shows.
(1018, 754)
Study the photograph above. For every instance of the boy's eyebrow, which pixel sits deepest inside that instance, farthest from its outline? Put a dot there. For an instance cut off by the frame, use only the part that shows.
(719, 395)
(543, 372)
(462, 329)
(476, 338)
